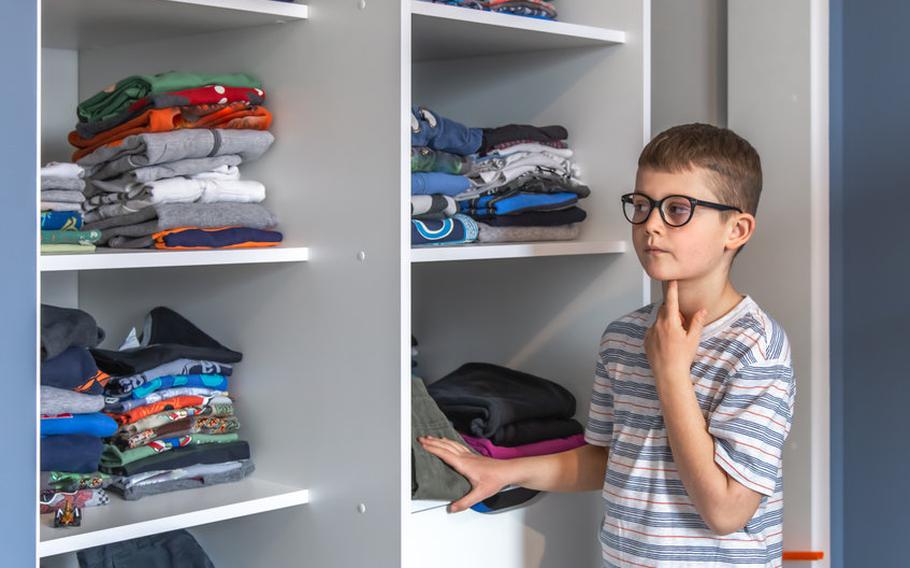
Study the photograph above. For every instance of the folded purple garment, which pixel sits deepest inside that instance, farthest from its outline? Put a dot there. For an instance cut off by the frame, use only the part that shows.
(486, 448)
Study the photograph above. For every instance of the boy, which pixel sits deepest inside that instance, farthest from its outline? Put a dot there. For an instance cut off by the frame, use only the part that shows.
(693, 398)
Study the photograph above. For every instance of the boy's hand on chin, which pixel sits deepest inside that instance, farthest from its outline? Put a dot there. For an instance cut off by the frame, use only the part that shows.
(670, 346)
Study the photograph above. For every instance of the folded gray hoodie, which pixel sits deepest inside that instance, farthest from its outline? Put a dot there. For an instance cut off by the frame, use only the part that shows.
(146, 222)
(141, 150)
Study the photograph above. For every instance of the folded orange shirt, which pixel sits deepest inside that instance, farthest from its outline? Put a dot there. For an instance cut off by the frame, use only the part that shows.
(236, 115)
(174, 403)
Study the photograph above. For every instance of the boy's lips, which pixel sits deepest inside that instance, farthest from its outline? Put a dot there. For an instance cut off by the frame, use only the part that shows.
(654, 250)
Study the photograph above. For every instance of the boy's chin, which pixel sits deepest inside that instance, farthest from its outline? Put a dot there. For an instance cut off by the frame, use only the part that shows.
(664, 275)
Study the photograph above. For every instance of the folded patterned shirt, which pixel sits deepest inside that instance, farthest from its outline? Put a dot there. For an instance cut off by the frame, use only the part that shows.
(455, 230)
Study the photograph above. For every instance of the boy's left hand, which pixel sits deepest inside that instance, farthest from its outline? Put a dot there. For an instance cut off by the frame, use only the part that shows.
(669, 345)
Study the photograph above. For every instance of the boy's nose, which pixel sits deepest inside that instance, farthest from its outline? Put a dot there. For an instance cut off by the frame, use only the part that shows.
(654, 223)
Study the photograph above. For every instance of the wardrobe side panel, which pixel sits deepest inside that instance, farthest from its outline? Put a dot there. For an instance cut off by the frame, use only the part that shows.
(770, 105)
(318, 392)
(19, 336)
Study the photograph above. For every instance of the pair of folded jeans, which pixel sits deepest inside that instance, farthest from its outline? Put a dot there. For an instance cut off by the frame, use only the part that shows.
(440, 133)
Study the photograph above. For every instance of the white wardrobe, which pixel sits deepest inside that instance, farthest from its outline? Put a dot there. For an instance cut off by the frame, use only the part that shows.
(325, 321)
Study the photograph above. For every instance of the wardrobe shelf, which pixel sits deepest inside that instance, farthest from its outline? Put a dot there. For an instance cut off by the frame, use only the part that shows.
(88, 24)
(105, 259)
(439, 31)
(421, 505)
(122, 520)
(515, 250)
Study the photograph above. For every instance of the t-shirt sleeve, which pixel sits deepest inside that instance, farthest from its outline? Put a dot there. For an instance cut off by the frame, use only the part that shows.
(599, 431)
(752, 422)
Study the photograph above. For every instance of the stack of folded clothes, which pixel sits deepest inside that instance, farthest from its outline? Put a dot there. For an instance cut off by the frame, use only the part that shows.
(503, 413)
(161, 155)
(525, 186)
(72, 425)
(440, 164)
(513, 183)
(176, 426)
(541, 9)
(61, 210)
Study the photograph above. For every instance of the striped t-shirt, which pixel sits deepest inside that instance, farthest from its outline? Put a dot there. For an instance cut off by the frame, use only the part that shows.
(744, 384)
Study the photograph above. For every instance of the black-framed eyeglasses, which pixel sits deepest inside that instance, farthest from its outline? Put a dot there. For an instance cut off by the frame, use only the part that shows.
(675, 210)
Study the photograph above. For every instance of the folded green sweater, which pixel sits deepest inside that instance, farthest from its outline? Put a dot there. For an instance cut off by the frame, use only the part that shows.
(118, 97)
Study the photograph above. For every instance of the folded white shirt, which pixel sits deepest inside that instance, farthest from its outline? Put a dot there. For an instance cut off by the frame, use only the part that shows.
(62, 169)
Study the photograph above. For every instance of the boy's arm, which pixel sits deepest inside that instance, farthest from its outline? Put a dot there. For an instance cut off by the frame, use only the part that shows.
(581, 469)
(725, 504)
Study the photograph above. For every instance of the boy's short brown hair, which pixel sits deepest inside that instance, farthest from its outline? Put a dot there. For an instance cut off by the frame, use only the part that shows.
(734, 163)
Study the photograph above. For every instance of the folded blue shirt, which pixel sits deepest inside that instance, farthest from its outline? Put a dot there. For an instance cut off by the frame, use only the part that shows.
(215, 382)
(74, 369)
(429, 183)
(61, 221)
(519, 202)
(94, 424)
(452, 231)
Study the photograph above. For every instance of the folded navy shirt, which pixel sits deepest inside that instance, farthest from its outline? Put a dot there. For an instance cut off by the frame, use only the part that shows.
(535, 218)
(75, 453)
(154, 551)
(74, 369)
(514, 132)
(170, 336)
(481, 398)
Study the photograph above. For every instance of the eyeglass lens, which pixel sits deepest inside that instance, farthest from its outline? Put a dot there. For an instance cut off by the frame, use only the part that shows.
(676, 210)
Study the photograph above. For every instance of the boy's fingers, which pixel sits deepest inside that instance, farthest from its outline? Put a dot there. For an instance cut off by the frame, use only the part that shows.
(698, 322)
(672, 299)
(453, 446)
(472, 498)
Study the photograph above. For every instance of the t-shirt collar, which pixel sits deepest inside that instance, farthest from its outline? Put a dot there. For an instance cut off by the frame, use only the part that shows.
(715, 326)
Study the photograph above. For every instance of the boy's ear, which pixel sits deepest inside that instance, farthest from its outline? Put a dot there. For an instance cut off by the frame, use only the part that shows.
(741, 229)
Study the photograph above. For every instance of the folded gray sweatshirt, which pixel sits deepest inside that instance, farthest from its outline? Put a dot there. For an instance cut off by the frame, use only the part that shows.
(141, 150)
(186, 167)
(490, 234)
(67, 183)
(165, 216)
(61, 401)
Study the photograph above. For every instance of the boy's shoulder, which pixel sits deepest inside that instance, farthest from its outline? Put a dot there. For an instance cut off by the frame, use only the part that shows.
(746, 330)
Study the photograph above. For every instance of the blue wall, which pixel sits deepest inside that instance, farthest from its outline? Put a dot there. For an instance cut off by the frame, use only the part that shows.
(18, 160)
(870, 245)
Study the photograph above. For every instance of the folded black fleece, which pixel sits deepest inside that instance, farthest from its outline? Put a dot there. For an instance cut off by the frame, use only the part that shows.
(535, 430)
(482, 398)
(167, 336)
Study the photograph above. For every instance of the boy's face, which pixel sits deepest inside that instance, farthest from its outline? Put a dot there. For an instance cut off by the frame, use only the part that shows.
(688, 252)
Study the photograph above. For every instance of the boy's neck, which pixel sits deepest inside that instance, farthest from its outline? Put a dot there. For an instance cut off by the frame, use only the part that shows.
(717, 296)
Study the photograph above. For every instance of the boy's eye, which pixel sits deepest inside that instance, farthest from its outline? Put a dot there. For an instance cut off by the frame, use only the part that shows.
(678, 209)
